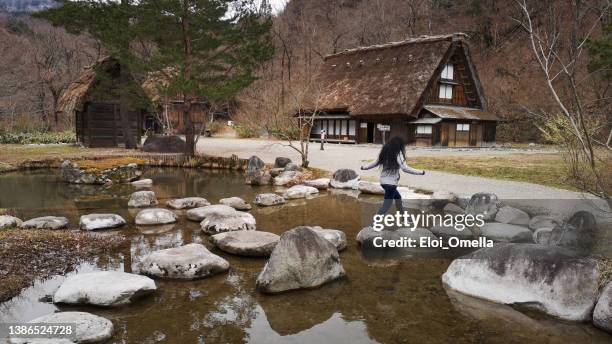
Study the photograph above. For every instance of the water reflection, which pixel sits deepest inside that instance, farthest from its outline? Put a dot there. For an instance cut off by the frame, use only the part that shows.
(385, 298)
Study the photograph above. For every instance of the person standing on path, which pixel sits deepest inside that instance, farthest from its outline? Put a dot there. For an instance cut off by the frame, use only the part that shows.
(391, 159)
(323, 138)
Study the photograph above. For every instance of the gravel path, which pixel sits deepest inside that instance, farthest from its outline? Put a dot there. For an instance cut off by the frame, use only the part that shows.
(337, 156)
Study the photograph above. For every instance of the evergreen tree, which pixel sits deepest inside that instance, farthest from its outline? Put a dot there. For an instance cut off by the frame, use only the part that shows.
(601, 53)
(111, 23)
(209, 49)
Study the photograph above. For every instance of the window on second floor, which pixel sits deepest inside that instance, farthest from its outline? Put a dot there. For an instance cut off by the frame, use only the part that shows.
(447, 72)
(446, 91)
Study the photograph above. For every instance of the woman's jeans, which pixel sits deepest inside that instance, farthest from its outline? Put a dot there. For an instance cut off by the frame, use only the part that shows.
(391, 194)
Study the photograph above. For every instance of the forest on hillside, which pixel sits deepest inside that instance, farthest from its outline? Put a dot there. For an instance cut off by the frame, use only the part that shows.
(39, 60)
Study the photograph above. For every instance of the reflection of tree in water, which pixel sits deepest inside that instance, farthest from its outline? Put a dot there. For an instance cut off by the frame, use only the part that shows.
(142, 245)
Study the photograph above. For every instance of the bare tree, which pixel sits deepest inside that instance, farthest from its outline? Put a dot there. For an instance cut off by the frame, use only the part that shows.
(560, 56)
(306, 102)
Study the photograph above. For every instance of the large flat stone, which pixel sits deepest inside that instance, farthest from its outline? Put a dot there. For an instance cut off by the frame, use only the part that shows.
(103, 288)
(246, 243)
(300, 191)
(92, 222)
(7, 221)
(236, 203)
(190, 261)
(551, 279)
(503, 232)
(90, 328)
(268, 199)
(321, 183)
(199, 214)
(187, 203)
(46, 222)
(155, 216)
(142, 199)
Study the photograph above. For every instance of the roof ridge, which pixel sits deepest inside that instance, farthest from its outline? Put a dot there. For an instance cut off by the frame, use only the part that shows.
(412, 40)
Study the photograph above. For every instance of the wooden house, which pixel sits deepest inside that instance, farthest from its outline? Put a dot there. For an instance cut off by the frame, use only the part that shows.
(92, 100)
(425, 90)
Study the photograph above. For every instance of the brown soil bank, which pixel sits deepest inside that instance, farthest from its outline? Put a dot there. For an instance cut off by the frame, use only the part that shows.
(26, 255)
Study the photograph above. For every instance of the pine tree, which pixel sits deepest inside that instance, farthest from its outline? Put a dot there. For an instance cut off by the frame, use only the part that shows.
(601, 53)
(209, 48)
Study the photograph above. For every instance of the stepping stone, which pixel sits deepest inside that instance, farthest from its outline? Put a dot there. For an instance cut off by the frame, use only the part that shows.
(512, 216)
(93, 222)
(301, 259)
(141, 199)
(281, 162)
(103, 288)
(46, 222)
(543, 221)
(321, 183)
(187, 203)
(189, 262)
(503, 232)
(246, 243)
(345, 179)
(288, 177)
(334, 236)
(219, 223)
(7, 221)
(236, 203)
(155, 216)
(268, 199)
(199, 214)
(90, 328)
(300, 191)
(370, 188)
(451, 231)
(366, 236)
(483, 203)
(453, 208)
(143, 182)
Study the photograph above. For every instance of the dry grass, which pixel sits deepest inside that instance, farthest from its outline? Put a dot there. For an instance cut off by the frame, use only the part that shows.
(17, 154)
(106, 163)
(26, 255)
(545, 169)
(605, 270)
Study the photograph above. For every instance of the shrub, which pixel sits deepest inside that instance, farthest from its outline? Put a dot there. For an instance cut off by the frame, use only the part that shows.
(215, 127)
(37, 137)
(244, 131)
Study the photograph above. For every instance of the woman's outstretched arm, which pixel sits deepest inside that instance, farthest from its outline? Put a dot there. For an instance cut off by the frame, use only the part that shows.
(402, 162)
(370, 166)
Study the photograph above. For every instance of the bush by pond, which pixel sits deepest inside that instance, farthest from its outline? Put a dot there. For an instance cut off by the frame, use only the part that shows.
(37, 137)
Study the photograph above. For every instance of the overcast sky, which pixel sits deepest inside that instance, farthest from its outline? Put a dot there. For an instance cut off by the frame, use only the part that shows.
(277, 5)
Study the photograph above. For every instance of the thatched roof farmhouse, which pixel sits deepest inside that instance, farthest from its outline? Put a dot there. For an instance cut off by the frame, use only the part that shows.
(424, 89)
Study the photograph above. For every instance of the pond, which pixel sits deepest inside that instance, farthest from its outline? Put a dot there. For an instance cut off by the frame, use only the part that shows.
(384, 298)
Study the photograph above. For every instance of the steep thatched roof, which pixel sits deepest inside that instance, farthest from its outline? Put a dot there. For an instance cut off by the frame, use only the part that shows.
(75, 95)
(386, 79)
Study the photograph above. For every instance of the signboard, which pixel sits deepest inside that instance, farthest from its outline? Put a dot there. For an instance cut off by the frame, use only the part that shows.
(363, 125)
(383, 127)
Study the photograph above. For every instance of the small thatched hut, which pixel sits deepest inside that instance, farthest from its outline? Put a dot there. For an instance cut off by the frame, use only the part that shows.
(93, 101)
(424, 89)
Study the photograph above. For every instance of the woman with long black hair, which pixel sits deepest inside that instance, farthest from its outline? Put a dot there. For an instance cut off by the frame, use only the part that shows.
(391, 159)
